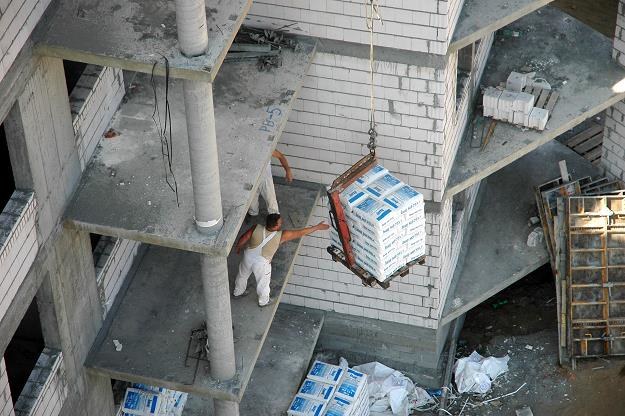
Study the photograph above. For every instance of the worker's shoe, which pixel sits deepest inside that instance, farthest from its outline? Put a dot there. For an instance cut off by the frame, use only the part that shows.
(245, 293)
(271, 301)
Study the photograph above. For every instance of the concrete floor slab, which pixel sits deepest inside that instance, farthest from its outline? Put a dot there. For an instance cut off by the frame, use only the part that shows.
(153, 319)
(479, 18)
(281, 365)
(496, 254)
(136, 35)
(575, 59)
(124, 192)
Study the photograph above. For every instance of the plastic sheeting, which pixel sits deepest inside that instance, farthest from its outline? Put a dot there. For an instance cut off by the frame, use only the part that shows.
(391, 393)
(474, 374)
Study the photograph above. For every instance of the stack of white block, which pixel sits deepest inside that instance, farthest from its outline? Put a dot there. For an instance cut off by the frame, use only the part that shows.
(386, 220)
(144, 400)
(329, 390)
(514, 106)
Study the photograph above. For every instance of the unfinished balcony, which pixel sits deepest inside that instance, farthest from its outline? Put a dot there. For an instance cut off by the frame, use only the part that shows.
(129, 188)
(163, 303)
(495, 253)
(479, 18)
(139, 35)
(574, 58)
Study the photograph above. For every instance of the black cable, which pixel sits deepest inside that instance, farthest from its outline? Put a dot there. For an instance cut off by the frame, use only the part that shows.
(164, 132)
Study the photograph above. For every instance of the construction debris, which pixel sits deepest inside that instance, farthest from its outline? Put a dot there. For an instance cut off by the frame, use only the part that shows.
(475, 374)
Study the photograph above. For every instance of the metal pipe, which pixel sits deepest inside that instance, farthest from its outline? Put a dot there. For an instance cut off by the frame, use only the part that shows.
(199, 111)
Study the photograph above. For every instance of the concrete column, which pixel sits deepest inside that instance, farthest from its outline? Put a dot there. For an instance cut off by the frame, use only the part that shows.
(200, 115)
(198, 103)
(219, 322)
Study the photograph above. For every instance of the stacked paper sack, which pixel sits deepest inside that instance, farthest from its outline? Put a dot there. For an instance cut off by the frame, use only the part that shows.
(330, 390)
(386, 221)
(144, 400)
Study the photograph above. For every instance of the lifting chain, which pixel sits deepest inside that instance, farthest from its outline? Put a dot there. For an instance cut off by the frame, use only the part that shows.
(372, 14)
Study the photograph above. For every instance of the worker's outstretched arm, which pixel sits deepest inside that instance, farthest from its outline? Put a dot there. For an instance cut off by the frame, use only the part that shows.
(243, 240)
(288, 235)
(285, 164)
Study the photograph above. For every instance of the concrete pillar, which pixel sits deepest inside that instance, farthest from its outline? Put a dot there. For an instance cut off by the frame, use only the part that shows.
(198, 103)
(219, 322)
(200, 115)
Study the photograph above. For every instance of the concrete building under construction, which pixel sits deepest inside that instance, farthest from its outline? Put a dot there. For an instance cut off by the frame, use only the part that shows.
(133, 141)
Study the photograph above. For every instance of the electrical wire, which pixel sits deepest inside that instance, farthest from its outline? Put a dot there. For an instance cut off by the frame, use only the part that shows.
(164, 130)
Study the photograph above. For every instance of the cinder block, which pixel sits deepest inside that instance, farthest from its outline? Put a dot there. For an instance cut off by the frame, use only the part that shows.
(516, 81)
(538, 118)
(524, 103)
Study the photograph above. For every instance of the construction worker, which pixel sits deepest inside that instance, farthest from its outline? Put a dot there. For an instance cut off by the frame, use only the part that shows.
(262, 243)
(266, 188)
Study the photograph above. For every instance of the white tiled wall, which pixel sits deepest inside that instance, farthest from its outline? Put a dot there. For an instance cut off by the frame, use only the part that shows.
(6, 403)
(18, 18)
(46, 390)
(613, 156)
(18, 245)
(115, 258)
(327, 129)
(93, 101)
(416, 25)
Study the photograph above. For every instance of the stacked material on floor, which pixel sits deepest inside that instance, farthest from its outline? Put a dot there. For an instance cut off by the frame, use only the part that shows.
(330, 390)
(514, 106)
(386, 220)
(583, 223)
(144, 400)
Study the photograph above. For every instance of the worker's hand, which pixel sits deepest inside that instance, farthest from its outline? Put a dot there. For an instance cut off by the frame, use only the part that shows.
(322, 226)
(289, 176)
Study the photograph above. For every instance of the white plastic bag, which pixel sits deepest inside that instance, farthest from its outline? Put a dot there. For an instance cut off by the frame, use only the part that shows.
(389, 388)
(474, 374)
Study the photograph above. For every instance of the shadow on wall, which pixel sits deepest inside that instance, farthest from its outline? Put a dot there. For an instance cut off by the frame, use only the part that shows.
(598, 14)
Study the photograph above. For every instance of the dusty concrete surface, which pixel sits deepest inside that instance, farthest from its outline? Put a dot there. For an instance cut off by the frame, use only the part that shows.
(124, 193)
(598, 14)
(136, 35)
(497, 254)
(574, 58)
(164, 303)
(282, 363)
(479, 18)
(528, 319)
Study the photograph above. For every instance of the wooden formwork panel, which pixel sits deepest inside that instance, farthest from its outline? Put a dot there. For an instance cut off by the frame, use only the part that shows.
(596, 276)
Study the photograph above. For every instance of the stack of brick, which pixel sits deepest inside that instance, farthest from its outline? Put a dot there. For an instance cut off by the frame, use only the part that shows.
(514, 106)
(386, 220)
(329, 390)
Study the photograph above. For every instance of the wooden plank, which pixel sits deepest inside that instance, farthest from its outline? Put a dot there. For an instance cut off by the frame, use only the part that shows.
(589, 144)
(551, 103)
(542, 99)
(594, 155)
(583, 136)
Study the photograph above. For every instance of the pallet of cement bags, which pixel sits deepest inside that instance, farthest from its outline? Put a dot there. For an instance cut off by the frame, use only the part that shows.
(330, 390)
(386, 220)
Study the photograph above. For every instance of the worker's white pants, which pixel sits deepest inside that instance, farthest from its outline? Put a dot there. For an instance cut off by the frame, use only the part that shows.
(268, 192)
(261, 267)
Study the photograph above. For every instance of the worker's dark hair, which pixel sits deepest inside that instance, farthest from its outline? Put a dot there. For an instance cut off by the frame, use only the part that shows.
(272, 220)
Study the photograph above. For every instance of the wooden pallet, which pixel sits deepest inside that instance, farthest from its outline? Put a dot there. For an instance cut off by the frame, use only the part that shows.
(367, 278)
(546, 99)
(588, 143)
